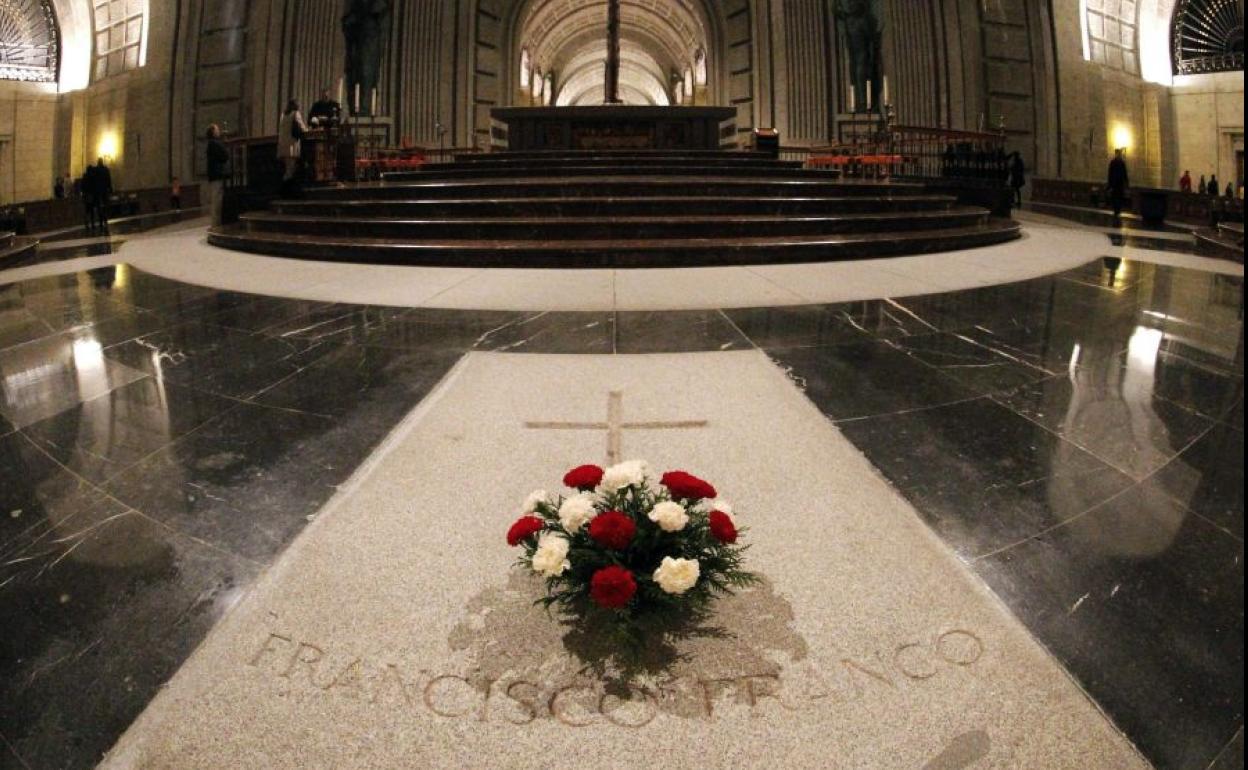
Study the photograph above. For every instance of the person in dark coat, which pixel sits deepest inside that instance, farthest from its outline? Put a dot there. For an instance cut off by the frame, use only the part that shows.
(218, 171)
(1117, 182)
(58, 189)
(1212, 189)
(1018, 174)
(100, 183)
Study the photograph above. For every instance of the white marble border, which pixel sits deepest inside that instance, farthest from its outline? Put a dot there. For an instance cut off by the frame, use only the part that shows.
(1044, 249)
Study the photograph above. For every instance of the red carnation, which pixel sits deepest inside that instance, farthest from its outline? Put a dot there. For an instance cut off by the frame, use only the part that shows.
(583, 477)
(612, 587)
(613, 529)
(722, 527)
(524, 528)
(686, 486)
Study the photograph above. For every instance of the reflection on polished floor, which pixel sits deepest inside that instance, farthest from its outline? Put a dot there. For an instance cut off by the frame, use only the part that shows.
(1077, 440)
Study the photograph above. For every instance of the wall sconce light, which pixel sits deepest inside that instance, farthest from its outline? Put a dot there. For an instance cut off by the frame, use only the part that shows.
(108, 146)
(1120, 137)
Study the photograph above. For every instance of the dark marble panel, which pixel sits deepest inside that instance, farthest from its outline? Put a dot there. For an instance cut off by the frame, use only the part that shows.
(438, 329)
(871, 378)
(979, 367)
(98, 612)
(225, 361)
(250, 312)
(245, 481)
(1157, 244)
(1212, 391)
(1232, 757)
(1143, 603)
(568, 332)
(36, 491)
(102, 437)
(980, 475)
(1208, 478)
(18, 326)
(335, 323)
(48, 376)
(676, 332)
(375, 387)
(798, 326)
(6, 427)
(1113, 414)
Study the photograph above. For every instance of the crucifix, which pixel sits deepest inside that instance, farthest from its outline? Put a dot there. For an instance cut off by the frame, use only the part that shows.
(615, 425)
(611, 87)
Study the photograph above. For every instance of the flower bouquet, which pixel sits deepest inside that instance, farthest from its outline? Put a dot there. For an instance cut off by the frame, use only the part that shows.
(629, 557)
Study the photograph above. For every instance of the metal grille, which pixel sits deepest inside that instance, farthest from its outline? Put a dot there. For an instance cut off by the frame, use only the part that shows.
(1207, 36)
(28, 41)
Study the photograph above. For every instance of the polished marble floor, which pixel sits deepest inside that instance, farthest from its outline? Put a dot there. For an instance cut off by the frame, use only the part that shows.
(1077, 440)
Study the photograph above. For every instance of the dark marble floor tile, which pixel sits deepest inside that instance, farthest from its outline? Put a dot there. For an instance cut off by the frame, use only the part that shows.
(6, 427)
(97, 615)
(979, 367)
(48, 376)
(555, 332)
(37, 492)
(980, 475)
(439, 329)
(1144, 603)
(105, 435)
(225, 361)
(1208, 478)
(18, 326)
(682, 331)
(1212, 391)
(1113, 414)
(798, 326)
(864, 379)
(245, 481)
(1232, 757)
(335, 323)
(250, 312)
(373, 386)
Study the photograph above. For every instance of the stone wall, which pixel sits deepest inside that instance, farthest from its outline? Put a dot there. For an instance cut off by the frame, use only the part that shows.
(27, 111)
(1209, 123)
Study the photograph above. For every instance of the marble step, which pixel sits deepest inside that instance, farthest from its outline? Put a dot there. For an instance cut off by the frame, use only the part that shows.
(614, 227)
(509, 172)
(1223, 243)
(591, 253)
(16, 249)
(639, 161)
(613, 186)
(609, 206)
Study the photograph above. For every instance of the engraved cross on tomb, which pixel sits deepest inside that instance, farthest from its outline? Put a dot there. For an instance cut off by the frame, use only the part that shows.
(615, 425)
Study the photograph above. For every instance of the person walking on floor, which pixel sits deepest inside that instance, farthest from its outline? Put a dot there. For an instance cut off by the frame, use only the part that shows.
(290, 131)
(1018, 173)
(1117, 183)
(97, 188)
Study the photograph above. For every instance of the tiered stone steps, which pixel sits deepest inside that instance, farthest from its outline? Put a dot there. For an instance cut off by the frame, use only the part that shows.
(612, 209)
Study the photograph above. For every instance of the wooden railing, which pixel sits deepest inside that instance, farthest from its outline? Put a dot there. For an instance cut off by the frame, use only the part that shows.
(58, 213)
(914, 152)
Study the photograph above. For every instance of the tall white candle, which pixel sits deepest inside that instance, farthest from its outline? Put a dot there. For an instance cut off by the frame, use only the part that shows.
(884, 97)
(853, 108)
(356, 102)
(868, 96)
(373, 105)
(341, 91)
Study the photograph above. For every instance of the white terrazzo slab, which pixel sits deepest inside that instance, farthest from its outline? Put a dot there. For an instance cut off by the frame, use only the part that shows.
(395, 633)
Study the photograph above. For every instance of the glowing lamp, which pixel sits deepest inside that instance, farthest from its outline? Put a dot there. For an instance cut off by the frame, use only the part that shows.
(108, 145)
(1121, 137)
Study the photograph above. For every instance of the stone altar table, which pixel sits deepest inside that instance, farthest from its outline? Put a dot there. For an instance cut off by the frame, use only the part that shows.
(614, 127)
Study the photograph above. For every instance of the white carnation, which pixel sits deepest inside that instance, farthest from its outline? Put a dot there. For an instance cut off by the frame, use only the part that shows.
(675, 576)
(721, 505)
(576, 512)
(533, 500)
(551, 557)
(620, 475)
(670, 516)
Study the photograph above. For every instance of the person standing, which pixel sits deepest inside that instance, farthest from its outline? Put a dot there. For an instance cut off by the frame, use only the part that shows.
(218, 170)
(326, 111)
(1212, 190)
(103, 193)
(1018, 173)
(290, 131)
(1185, 182)
(1117, 183)
(58, 189)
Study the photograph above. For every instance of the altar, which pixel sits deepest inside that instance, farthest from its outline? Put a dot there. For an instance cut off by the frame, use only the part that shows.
(613, 127)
